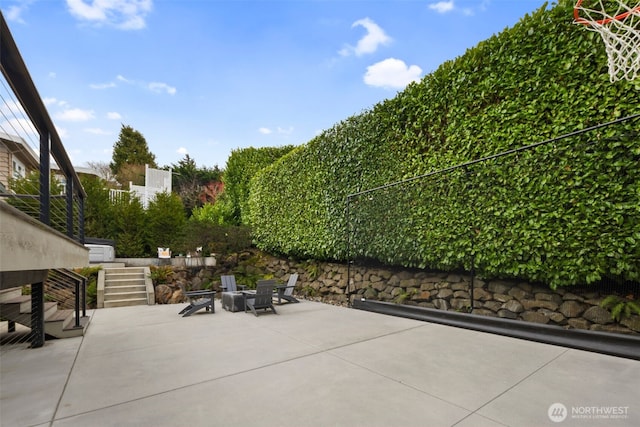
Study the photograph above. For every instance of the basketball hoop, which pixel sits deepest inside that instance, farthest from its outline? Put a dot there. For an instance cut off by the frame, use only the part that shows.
(619, 26)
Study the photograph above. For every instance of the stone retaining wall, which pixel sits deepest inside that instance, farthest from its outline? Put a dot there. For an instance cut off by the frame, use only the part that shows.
(566, 307)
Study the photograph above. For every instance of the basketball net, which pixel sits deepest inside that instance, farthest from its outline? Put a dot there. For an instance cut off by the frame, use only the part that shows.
(619, 26)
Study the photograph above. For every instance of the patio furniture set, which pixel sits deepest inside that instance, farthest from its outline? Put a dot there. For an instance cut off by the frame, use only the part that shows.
(234, 299)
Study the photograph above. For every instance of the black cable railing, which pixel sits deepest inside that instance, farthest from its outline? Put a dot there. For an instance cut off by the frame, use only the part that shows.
(69, 290)
(45, 185)
(368, 210)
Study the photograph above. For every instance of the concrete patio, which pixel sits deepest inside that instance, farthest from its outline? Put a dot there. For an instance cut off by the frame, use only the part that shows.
(311, 365)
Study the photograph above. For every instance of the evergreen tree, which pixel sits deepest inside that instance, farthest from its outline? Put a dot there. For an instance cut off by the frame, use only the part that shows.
(165, 221)
(98, 209)
(130, 154)
(193, 184)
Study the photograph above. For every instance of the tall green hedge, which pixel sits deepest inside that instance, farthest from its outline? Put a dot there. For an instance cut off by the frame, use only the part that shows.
(566, 213)
(241, 166)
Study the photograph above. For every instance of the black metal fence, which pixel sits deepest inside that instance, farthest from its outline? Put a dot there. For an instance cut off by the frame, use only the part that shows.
(472, 207)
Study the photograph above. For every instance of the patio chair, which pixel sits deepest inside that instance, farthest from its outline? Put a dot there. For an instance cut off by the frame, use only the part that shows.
(262, 298)
(231, 298)
(285, 292)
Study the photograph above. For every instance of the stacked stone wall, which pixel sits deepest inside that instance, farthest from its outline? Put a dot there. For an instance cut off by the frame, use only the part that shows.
(577, 308)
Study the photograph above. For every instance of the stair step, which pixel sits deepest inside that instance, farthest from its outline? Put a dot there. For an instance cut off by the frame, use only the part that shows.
(20, 304)
(125, 274)
(125, 302)
(124, 282)
(125, 288)
(126, 270)
(61, 321)
(7, 294)
(111, 296)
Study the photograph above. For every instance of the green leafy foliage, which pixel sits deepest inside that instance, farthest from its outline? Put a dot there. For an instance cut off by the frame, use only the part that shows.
(129, 230)
(189, 181)
(165, 221)
(565, 213)
(621, 308)
(160, 275)
(241, 166)
(99, 215)
(27, 199)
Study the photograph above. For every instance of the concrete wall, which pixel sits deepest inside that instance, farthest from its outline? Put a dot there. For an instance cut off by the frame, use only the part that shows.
(28, 246)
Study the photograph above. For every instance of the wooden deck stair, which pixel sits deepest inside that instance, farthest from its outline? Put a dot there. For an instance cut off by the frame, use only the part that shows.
(57, 323)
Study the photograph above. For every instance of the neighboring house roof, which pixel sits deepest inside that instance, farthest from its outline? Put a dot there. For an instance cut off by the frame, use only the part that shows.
(79, 170)
(20, 148)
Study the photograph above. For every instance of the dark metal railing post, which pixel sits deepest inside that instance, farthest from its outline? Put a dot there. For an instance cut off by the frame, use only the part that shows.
(37, 314)
(473, 275)
(348, 226)
(84, 297)
(77, 307)
(45, 179)
(69, 199)
(81, 219)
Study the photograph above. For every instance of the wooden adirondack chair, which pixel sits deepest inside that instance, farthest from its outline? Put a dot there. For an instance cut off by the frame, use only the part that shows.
(286, 292)
(262, 298)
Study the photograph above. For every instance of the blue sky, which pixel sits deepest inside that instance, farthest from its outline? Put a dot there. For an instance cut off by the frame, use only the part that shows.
(205, 77)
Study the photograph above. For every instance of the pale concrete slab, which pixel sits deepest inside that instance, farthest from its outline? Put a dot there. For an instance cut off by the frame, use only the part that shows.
(582, 382)
(475, 420)
(312, 364)
(33, 379)
(315, 390)
(452, 364)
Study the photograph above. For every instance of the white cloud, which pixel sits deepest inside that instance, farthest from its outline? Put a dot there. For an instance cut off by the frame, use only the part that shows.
(102, 85)
(75, 115)
(392, 74)
(121, 78)
(13, 13)
(182, 151)
(161, 87)
(97, 131)
(52, 75)
(112, 115)
(122, 14)
(54, 102)
(62, 132)
(265, 131)
(374, 38)
(442, 6)
(287, 131)
(20, 127)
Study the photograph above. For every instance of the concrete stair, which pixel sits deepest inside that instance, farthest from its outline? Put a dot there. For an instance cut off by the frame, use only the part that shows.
(57, 323)
(125, 286)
